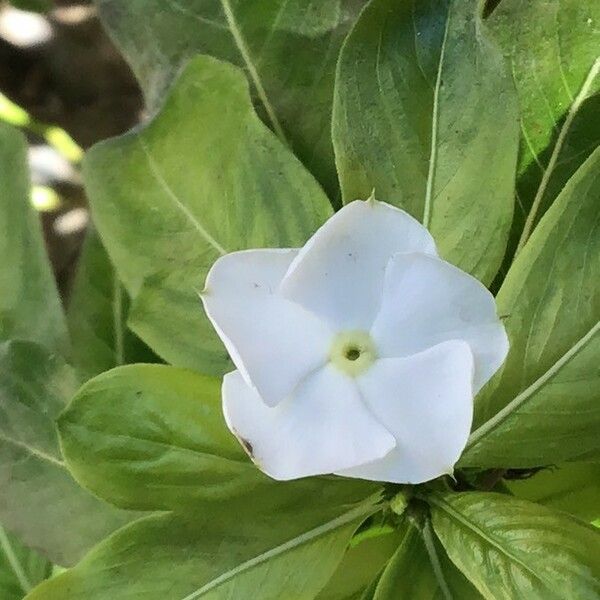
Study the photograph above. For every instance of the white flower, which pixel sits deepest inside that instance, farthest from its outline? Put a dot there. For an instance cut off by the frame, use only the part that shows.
(358, 354)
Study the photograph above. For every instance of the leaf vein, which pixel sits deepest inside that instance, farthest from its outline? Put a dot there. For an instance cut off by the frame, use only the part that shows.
(171, 194)
(362, 510)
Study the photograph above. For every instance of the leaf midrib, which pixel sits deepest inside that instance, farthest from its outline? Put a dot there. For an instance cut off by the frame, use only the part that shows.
(433, 155)
(521, 399)
(168, 446)
(477, 531)
(244, 51)
(367, 507)
(33, 451)
(166, 188)
(576, 104)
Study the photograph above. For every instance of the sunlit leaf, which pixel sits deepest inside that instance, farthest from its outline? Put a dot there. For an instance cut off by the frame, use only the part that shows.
(204, 178)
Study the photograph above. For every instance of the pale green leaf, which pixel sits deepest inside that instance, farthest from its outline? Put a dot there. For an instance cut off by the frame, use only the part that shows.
(39, 500)
(204, 178)
(154, 437)
(29, 304)
(511, 548)
(221, 552)
(288, 49)
(542, 407)
(425, 114)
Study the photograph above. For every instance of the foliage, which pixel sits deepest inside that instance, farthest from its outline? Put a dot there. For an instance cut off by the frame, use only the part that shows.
(265, 116)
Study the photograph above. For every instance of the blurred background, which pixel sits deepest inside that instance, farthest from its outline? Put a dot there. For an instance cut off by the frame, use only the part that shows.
(65, 85)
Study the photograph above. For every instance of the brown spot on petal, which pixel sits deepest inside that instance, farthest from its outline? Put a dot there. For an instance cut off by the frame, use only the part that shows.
(247, 446)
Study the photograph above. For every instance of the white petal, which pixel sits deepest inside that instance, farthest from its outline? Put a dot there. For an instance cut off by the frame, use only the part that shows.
(339, 272)
(427, 301)
(272, 341)
(426, 401)
(321, 428)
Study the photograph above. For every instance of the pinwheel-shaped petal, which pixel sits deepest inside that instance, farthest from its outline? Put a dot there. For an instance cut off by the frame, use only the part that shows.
(358, 354)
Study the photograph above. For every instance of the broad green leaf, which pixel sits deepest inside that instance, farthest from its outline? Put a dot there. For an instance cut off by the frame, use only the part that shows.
(553, 50)
(20, 568)
(425, 114)
(511, 548)
(204, 178)
(572, 487)
(542, 407)
(154, 437)
(420, 570)
(222, 552)
(39, 500)
(97, 312)
(288, 49)
(29, 304)
(361, 564)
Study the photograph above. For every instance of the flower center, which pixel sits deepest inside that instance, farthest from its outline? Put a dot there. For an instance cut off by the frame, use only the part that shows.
(352, 352)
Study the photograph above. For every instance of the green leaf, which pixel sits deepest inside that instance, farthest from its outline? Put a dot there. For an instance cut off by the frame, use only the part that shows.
(511, 548)
(29, 304)
(154, 437)
(420, 570)
(542, 407)
(20, 568)
(222, 552)
(361, 564)
(425, 114)
(98, 307)
(572, 487)
(39, 500)
(288, 49)
(204, 178)
(552, 47)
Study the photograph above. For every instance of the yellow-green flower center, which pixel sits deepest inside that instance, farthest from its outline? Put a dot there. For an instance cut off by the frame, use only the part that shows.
(352, 352)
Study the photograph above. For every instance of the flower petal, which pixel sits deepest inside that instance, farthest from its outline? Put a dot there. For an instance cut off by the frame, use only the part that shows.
(338, 275)
(272, 341)
(427, 301)
(426, 401)
(321, 428)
